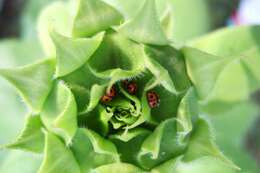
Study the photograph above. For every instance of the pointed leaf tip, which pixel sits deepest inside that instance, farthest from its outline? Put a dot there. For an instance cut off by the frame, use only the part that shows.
(31, 137)
(94, 16)
(73, 53)
(33, 82)
(146, 26)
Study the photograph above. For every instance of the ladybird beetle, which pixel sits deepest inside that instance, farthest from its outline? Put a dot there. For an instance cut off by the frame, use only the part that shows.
(131, 87)
(153, 99)
(109, 95)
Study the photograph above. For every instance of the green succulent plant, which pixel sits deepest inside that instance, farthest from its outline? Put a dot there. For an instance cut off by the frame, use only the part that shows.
(116, 94)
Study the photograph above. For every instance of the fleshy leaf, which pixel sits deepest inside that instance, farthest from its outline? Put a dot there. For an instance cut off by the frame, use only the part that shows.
(33, 82)
(118, 168)
(57, 17)
(129, 142)
(96, 92)
(59, 114)
(57, 157)
(94, 16)
(203, 164)
(117, 58)
(145, 27)
(31, 137)
(91, 150)
(171, 60)
(203, 69)
(213, 77)
(224, 42)
(202, 144)
(188, 112)
(72, 53)
(162, 145)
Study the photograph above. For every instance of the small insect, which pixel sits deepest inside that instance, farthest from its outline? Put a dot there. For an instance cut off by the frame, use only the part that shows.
(153, 99)
(131, 87)
(109, 95)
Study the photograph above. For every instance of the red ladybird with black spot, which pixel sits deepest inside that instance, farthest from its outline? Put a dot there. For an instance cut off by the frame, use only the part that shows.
(109, 95)
(153, 99)
(131, 87)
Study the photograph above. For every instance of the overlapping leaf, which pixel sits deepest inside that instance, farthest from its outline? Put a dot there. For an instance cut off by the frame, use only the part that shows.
(94, 16)
(33, 82)
(57, 157)
(31, 138)
(91, 150)
(59, 113)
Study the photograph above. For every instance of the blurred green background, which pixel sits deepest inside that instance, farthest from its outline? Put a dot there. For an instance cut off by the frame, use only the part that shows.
(237, 131)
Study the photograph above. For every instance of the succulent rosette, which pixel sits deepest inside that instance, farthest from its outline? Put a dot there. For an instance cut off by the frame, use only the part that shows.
(114, 95)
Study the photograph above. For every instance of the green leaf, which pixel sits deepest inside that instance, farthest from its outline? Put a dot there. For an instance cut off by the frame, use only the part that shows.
(73, 53)
(96, 92)
(186, 24)
(188, 112)
(162, 145)
(117, 58)
(171, 60)
(213, 77)
(33, 82)
(56, 16)
(128, 143)
(59, 114)
(201, 165)
(224, 42)
(145, 27)
(57, 157)
(91, 150)
(202, 144)
(31, 137)
(118, 168)
(94, 16)
(232, 137)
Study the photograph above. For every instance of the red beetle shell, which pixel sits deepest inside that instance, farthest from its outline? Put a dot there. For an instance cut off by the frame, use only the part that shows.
(109, 95)
(131, 87)
(111, 92)
(153, 99)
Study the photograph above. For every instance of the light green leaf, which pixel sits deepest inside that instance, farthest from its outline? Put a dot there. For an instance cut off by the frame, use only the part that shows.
(118, 168)
(91, 150)
(188, 112)
(162, 145)
(20, 162)
(56, 16)
(225, 42)
(31, 137)
(201, 165)
(145, 27)
(59, 114)
(232, 137)
(73, 53)
(202, 144)
(96, 92)
(57, 157)
(213, 77)
(187, 24)
(33, 82)
(94, 16)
